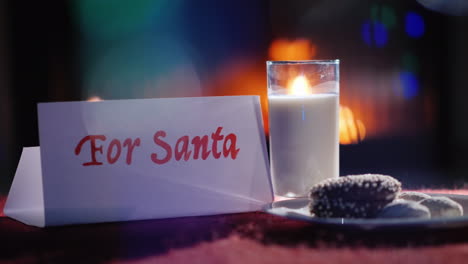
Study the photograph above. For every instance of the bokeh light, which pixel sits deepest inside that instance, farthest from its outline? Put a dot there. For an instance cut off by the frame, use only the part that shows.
(366, 33)
(410, 84)
(410, 62)
(299, 49)
(240, 76)
(374, 33)
(385, 15)
(380, 34)
(143, 68)
(414, 25)
(352, 130)
(116, 19)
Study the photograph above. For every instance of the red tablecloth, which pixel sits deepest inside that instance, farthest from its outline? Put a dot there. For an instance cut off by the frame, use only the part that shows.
(234, 238)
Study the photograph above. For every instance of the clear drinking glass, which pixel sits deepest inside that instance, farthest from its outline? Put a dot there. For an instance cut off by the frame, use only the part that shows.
(303, 98)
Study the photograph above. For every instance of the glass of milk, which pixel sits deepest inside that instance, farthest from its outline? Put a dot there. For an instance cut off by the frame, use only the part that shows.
(303, 98)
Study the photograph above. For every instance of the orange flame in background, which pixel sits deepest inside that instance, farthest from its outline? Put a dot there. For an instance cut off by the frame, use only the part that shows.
(299, 49)
(94, 99)
(365, 112)
(241, 76)
(352, 130)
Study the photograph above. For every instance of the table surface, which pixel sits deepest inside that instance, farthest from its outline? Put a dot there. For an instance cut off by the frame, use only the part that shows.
(233, 238)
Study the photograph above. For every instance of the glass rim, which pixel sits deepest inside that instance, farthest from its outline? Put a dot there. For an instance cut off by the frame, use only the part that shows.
(284, 62)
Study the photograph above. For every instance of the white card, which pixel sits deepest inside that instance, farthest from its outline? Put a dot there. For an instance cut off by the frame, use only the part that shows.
(142, 159)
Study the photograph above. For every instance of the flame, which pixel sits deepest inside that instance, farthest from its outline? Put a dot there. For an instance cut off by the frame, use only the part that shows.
(94, 99)
(240, 76)
(299, 49)
(352, 131)
(299, 86)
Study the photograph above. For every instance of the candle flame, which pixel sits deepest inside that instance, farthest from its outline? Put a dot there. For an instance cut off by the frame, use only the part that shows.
(299, 86)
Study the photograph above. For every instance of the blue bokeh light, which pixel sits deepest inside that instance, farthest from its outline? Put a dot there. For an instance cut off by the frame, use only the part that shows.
(366, 33)
(410, 84)
(414, 25)
(380, 34)
(374, 33)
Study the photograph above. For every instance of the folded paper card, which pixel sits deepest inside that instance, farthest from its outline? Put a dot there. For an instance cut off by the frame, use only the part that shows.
(125, 160)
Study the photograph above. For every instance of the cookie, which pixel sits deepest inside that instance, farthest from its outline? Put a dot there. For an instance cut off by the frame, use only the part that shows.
(443, 207)
(354, 196)
(404, 209)
(413, 196)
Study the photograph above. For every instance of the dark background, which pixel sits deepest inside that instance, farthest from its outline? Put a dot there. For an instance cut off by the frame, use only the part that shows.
(402, 68)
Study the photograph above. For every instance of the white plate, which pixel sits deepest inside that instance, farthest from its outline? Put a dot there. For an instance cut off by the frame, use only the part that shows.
(298, 209)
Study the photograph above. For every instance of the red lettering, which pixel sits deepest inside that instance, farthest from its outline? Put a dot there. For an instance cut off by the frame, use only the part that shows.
(199, 143)
(115, 143)
(130, 147)
(232, 147)
(92, 139)
(184, 147)
(164, 145)
(178, 153)
(216, 137)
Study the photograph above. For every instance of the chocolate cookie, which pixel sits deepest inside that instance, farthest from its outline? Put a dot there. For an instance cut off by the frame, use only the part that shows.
(354, 196)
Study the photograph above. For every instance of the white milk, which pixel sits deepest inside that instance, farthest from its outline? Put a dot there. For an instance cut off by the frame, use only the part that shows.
(303, 141)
